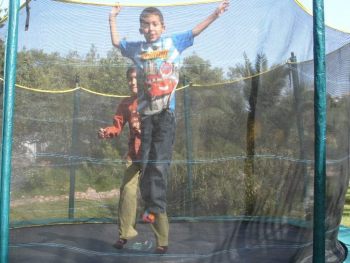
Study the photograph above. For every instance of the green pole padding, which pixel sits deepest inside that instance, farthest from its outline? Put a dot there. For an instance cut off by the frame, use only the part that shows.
(297, 91)
(320, 103)
(76, 110)
(7, 124)
(189, 157)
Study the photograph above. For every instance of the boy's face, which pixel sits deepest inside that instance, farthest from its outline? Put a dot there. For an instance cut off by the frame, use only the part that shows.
(152, 28)
(132, 82)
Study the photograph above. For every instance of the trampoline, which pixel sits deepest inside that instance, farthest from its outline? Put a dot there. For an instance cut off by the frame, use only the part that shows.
(246, 159)
(203, 241)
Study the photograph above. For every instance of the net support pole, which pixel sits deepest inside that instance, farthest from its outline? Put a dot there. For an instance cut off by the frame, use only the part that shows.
(297, 92)
(297, 104)
(7, 125)
(320, 102)
(189, 157)
(76, 110)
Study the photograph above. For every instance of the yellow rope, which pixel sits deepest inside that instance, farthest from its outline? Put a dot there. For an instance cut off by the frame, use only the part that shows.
(237, 80)
(183, 87)
(3, 19)
(124, 96)
(102, 3)
(45, 91)
(310, 13)
(68, 90)
(303, 7)
(104, 94)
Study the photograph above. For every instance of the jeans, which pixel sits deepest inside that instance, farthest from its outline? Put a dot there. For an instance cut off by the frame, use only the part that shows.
(157, 139)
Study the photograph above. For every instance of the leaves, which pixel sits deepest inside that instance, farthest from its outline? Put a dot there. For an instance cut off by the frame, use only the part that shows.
(250, 104)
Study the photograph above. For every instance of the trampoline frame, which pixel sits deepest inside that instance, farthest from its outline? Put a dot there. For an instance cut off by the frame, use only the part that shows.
(320, 128)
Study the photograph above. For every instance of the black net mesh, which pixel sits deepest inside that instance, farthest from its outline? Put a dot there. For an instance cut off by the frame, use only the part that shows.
(242, 174)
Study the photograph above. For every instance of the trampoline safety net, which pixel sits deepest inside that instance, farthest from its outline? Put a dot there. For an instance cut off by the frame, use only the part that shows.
(240, 187)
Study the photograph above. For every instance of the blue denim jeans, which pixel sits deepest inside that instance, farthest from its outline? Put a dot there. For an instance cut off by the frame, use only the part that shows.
(157, 139)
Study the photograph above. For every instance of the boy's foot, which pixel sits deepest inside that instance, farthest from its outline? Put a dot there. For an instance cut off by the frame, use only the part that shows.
(148, 217)
(161, 249)
(141, 246)
(120, 243)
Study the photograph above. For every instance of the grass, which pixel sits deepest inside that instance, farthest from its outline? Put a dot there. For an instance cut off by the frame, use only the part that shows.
(346, 212)
(59, 209)
(105, 208)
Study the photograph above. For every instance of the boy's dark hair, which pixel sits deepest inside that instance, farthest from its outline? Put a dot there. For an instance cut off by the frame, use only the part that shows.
(151, 11)
(129, 71)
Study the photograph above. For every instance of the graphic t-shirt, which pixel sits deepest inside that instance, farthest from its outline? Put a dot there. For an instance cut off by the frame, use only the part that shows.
(158, 70)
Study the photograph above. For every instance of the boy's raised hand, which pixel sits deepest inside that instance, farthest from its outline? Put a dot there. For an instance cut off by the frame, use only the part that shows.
(115, 10)
(113, 25)
(223, 7)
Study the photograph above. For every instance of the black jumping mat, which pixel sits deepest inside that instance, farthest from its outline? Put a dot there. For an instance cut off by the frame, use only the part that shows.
(194, 242)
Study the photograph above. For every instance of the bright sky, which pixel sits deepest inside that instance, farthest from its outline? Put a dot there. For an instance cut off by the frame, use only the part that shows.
(336, 13)
(60, 37)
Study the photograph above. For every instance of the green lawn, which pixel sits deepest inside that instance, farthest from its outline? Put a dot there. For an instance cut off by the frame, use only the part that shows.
(106, 208)
(83, 209)
(346, 213)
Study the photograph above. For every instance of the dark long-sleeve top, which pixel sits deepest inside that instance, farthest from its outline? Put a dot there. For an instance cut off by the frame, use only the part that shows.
(127, 113)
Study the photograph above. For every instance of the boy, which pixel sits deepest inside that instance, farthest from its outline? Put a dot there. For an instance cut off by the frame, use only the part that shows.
(127, 113)
(157, 61)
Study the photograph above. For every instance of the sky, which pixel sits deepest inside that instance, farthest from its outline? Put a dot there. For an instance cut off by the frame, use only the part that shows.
(76, 27)
(336, 13)
(335, 10)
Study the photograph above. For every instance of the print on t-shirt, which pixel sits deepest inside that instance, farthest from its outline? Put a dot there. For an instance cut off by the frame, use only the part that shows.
(160, 77)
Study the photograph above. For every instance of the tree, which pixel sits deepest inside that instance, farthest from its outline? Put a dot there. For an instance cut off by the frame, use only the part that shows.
(261, 90)
(199, 71)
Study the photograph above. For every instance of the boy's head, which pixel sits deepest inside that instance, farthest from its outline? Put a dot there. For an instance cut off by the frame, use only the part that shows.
(132, 80)
(151, 24)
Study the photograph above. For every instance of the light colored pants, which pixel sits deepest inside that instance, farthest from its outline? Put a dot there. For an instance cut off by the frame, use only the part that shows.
(127, 209)
(161, 229)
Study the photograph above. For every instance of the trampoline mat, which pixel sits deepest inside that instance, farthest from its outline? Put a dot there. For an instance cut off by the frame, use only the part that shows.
(198, 242)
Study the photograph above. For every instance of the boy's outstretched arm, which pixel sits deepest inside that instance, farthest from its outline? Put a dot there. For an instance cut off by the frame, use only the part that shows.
(113, 25)
(210, 19)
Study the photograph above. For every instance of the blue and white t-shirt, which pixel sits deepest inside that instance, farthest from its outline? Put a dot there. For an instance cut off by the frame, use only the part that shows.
(157, 69)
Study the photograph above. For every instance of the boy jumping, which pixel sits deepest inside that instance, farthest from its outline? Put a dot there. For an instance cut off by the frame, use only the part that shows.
(157, 60)
(127, 113)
